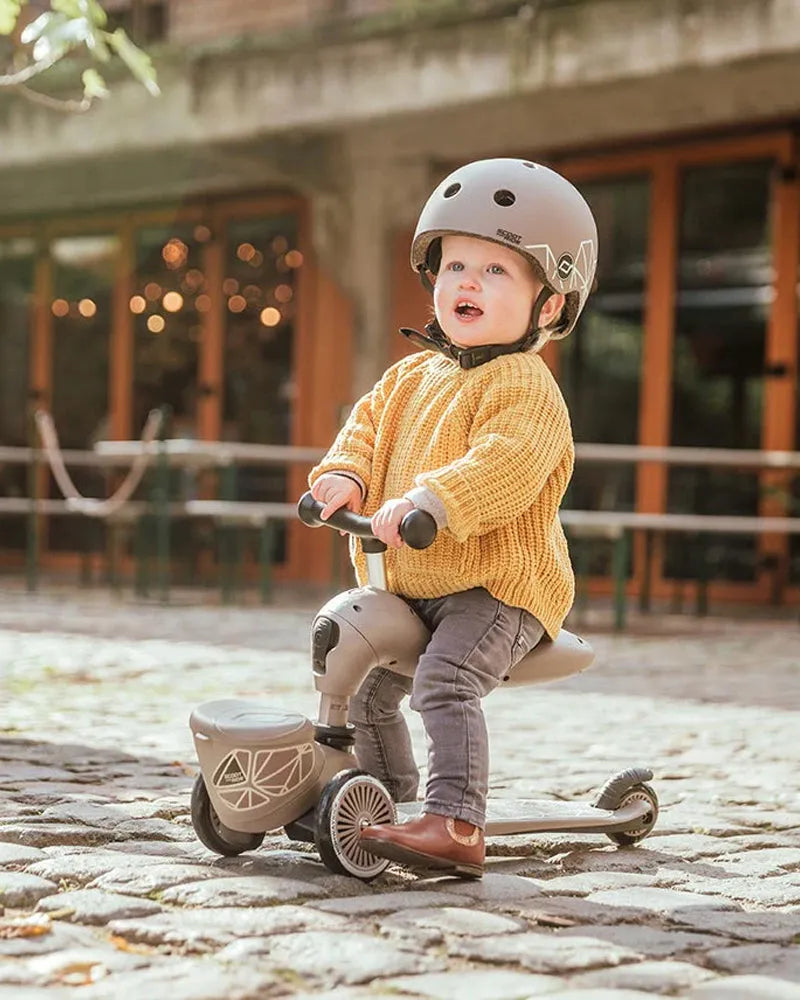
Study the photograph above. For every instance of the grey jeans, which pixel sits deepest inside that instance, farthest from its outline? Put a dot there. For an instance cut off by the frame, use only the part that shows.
(475, 641)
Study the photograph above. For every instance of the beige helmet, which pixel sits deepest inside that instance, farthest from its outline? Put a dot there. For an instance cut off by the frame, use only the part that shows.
(524, 206)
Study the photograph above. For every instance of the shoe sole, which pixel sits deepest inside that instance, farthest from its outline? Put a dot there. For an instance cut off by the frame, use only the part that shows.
(416, 859)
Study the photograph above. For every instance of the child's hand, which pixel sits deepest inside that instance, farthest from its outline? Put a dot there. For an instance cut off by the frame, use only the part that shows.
(386, 521)
(336, 492)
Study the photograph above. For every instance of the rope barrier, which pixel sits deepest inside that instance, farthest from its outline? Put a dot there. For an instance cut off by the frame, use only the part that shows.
(91, 506)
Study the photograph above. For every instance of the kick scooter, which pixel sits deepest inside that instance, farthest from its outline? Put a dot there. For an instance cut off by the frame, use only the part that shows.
(264, 769)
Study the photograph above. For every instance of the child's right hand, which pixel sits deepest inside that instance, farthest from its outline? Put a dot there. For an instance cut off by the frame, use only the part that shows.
(336, 492)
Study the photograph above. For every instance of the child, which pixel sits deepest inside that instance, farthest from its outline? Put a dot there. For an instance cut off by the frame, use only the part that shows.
(475, 431)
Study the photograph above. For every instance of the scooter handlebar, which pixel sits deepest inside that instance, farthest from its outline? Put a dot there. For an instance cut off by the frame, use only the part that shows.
(417, 529)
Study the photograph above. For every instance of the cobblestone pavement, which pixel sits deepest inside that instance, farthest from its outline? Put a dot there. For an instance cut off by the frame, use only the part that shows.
(108, 894)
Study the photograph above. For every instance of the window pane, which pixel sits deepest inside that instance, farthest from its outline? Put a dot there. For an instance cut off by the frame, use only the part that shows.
(83, 277)
(601, 359)
(16, 298)
(262, 263)
(724, 290)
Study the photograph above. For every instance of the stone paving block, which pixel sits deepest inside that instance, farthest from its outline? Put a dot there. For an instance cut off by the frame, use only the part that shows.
(745, 988)
(476, 984)
(585, 883)
(442, 920)
(601, 993)
(83, 868)
(566, 911)
(86, 814)
(75, 967)
(779, 927)
(490, 889)
(663, 901)
(779, 961)
(262, 891)
(144, 879)
(331, 956)
(387, 902)
(185, 850)
(774, 890)
(545, 953)
(57, 937)
(670, 978)
(605, 859)
(15, 854)
(767, 861)
(691, 846)
(650, 941)
(152, 829)
(42, 834)
(18, 889)
(209, 929)
(92, 906)
(184, 979)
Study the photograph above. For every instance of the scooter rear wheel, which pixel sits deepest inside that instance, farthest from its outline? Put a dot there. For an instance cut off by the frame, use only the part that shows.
(638, 793)
(350, 801)
(211, 831)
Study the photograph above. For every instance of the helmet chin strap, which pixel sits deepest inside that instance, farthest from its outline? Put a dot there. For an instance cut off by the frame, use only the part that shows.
(472, 357)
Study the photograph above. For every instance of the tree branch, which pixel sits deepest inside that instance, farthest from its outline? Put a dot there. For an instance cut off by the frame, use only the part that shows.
(54, 103)
(27, 73)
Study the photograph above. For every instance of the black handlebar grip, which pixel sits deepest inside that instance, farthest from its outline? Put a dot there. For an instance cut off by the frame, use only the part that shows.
(417, 529)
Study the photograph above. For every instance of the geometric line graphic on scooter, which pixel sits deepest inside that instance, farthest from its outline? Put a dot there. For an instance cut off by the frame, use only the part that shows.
(246, 780)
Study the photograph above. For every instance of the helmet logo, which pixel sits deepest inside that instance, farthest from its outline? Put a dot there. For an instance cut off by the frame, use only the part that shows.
(504, 234)
(565, 265)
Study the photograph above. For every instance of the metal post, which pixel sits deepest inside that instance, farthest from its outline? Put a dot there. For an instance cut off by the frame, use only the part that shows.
(32, 534)
(266, 549)
(619, 570)
(161, 504)
(227, 538)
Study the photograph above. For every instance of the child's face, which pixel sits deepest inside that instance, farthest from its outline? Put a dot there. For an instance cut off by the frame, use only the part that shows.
(484, 292)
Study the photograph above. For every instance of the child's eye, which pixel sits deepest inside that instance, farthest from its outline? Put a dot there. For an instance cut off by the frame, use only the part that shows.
(496, 269)
(455, 265)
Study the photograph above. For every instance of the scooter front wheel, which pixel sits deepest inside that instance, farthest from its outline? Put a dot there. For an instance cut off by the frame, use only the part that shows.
(638, 793)
(212, 832)
(350, 801)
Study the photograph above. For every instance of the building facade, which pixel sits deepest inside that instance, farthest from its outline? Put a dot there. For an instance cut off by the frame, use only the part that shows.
(238, 247)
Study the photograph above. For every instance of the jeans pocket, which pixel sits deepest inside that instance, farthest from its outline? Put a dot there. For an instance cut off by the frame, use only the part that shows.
(529, 633)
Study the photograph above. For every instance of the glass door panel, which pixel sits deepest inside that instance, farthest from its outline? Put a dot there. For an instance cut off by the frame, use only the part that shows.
(600, 362)
(168, 298)
(262, 261)
(83, 279)
(724, 290)
(16, 299)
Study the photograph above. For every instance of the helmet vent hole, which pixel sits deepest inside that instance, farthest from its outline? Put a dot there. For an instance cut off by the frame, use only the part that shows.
(452, 190)
(533, 166)
(505, 198)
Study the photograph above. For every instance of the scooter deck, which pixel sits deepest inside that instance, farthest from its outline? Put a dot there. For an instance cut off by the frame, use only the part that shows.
(509, 816)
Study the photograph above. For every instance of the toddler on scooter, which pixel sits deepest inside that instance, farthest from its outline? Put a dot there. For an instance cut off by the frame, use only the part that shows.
(475, 431)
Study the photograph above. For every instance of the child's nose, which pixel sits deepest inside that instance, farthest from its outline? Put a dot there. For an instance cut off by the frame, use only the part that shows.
(469, 280)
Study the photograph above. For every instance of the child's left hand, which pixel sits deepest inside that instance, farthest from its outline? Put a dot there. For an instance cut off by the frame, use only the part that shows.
(386, 521)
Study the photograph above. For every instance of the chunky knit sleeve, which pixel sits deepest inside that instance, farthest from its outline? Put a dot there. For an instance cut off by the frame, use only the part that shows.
(353, 449)
(520, 436)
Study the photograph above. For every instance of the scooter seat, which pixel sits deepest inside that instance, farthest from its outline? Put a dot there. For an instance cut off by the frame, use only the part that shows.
(245, 722)
(551, 660)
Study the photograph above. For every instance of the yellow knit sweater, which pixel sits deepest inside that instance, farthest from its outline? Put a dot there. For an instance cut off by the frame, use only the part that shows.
(494, 445)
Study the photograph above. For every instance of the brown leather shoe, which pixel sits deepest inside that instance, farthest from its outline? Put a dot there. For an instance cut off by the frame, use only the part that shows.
(451, 846)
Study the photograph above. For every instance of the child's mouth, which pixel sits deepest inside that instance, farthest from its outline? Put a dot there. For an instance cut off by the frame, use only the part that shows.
(467, 310)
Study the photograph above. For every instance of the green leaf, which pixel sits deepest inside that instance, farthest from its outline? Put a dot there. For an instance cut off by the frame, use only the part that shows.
(94, 85)
(9, 12)
(138, 62)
